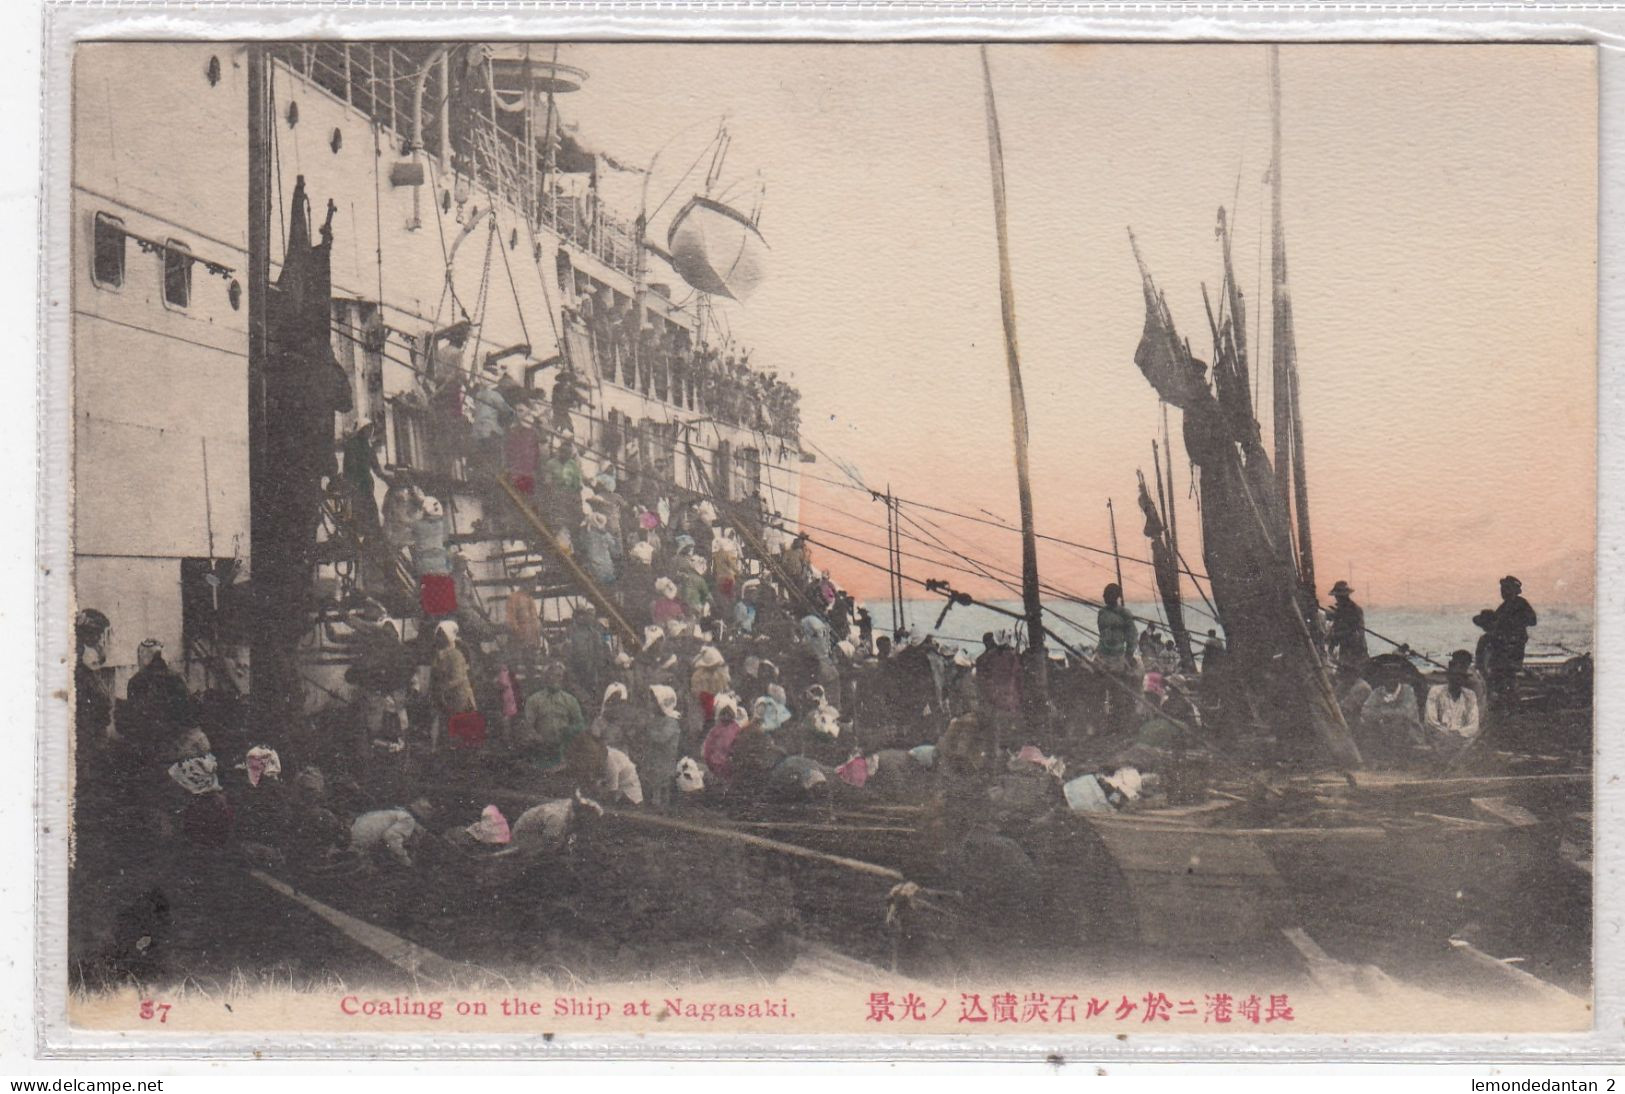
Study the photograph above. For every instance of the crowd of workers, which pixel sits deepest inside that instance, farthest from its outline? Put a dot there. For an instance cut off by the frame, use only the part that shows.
(711, 658)
(659, 359)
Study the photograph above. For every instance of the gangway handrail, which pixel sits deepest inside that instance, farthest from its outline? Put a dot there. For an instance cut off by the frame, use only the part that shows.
(588, 586)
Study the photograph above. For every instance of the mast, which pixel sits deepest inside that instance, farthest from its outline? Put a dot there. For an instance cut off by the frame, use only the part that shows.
(893, 564)
(262, 650)
(1291, 479)
(1117, 559)
(1018, 402)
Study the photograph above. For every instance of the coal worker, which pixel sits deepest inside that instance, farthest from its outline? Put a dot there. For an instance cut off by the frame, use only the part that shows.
(717, 749)
(1150, 645)
(655, 747)
(1117, 632)
(157, 703)
(93, 702)
(551, 720)
(1115, 652)
(361, 465)
(1509, 635)
(600, 547)
(449, 680)
(866, 629)
(1475, 680)
(1451, 716)
(1484, 621)
(492, 414)
(391, 830)
(606, 773)
(998, 689)
(1390, 723)
(1345, 641)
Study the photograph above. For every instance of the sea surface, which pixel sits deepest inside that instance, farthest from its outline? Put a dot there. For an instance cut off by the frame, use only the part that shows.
(1434, 632)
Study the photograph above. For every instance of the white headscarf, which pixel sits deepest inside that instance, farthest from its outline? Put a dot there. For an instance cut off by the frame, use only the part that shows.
(666, 587)
(690, 776)
(447, 628)
(665, 699)
(827, 720)
(651, 635)
(262, 762)
(614, 689)
(196, 774)
(708, 658)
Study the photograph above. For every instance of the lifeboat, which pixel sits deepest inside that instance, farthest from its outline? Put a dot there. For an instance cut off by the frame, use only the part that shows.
(717, 249)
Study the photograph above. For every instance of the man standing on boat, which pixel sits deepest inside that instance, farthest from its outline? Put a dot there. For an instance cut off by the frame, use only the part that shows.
(998, 686)
(1115, 652)
(1345, 641)
(1508, 636)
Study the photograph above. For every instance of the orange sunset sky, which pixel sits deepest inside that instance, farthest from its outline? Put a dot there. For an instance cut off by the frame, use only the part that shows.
(1440, 206)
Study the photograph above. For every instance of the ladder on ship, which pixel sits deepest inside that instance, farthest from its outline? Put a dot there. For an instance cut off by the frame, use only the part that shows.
(361, 550)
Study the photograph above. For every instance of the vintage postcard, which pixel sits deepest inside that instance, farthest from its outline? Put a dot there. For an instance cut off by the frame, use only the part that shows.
(488, 458)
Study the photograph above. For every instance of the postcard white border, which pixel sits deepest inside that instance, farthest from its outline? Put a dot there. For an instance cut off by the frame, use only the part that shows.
(65, 25)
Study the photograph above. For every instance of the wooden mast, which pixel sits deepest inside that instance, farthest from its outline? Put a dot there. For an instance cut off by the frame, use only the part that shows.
(262, 648)
(1291, 478)
(1034, 610)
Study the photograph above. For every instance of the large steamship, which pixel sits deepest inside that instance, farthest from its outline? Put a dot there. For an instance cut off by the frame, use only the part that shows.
(469, 237)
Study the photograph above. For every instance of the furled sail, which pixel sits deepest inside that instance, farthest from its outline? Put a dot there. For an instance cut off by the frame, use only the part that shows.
(1246, 541)
(717, 249)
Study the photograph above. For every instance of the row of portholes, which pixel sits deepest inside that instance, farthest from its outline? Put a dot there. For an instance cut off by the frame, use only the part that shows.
(335, 142)
(212, 73)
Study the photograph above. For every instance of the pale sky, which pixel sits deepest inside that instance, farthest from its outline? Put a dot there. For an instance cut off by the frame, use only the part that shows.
(1440, 208)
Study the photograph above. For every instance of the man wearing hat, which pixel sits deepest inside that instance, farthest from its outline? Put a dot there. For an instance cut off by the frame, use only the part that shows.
(1508, 636)
(1345, 638)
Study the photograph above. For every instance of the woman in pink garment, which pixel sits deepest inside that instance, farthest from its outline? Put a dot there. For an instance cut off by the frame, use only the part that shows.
(665, 607)
(717, 751)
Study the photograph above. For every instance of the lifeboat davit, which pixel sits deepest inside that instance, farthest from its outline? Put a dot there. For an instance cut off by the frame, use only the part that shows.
(717, 249)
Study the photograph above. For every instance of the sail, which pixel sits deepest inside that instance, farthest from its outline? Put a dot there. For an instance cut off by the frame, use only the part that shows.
(1246, 542)
(1165, 568)
(716, 249)
(1161, 357)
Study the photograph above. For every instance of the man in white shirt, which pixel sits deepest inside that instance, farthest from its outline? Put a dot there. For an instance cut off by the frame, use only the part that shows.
(1450, 715)
(389, 829)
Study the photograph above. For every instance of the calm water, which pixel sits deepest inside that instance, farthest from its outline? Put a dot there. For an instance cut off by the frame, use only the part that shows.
(1431, 631)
